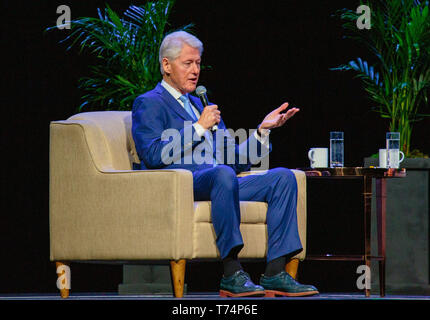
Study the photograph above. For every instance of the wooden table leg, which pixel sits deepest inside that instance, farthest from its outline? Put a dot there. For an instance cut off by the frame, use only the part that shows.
(381, 195)
(367, 201)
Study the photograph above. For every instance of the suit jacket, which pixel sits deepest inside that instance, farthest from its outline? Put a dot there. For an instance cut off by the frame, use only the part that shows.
(165, 138)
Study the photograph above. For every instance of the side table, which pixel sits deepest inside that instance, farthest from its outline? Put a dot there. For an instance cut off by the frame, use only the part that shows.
(366, 174)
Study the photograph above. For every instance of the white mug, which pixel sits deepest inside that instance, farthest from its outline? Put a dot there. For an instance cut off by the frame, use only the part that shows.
(394, 158)
(318, 157)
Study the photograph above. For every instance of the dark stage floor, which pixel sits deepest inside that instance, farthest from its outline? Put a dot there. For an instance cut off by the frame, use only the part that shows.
(204, 296)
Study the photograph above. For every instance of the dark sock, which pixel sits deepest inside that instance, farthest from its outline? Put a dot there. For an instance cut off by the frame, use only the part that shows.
(231, 263)
(275, 266)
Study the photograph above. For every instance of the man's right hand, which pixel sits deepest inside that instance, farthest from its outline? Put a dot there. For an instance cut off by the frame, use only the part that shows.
(210, 116)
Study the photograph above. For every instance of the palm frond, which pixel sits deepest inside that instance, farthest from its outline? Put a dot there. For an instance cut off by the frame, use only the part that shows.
(126, 51)
(399, 40)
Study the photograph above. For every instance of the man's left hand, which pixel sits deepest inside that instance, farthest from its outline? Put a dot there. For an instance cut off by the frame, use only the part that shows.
(277, 119)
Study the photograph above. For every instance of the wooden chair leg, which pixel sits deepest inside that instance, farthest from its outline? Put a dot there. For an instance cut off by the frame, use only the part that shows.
(177, 269)
(292, 266)
(63, 280)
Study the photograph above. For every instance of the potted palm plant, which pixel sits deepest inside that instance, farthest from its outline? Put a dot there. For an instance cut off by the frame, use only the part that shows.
(125, 50)
(399, 43)
(398, 83)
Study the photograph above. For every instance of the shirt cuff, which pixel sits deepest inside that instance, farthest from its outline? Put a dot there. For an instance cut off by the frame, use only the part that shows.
(199, 129)
(264, 138)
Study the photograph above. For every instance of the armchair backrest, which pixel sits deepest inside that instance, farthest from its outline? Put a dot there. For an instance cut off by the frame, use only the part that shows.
(110, 140)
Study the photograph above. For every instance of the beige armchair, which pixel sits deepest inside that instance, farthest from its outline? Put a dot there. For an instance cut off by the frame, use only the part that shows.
(102, 210)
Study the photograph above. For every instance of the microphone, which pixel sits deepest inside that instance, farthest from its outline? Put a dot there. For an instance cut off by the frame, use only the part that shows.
(201, 92)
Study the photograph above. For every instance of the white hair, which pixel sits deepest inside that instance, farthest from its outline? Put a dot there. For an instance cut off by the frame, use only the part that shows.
(172, 44)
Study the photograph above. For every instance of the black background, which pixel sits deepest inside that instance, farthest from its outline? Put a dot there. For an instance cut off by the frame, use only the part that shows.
(261, 53)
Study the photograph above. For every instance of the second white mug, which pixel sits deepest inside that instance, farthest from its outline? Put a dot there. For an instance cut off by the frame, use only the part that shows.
(396, 157)
(318, 157)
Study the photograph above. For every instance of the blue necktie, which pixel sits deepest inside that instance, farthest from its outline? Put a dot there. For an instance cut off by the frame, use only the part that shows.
(187, 106)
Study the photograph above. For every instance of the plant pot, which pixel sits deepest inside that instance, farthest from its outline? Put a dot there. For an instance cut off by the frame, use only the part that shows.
(407, 230)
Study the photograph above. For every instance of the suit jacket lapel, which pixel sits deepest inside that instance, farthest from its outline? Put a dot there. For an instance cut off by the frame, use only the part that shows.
(172, 103)
(196, 103)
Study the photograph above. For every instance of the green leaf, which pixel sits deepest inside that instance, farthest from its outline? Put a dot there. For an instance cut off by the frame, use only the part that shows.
(125, 48)
(399, 42)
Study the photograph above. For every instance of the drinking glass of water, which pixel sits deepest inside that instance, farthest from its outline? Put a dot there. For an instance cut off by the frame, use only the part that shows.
(336, 149)
(393, 149)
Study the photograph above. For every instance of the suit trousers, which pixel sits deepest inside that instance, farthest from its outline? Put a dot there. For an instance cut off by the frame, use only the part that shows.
(277, 187)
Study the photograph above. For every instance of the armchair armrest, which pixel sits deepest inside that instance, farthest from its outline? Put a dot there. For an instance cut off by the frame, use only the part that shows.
(111, 214)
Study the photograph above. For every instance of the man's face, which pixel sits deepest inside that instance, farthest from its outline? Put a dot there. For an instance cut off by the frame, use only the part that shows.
(183, 72)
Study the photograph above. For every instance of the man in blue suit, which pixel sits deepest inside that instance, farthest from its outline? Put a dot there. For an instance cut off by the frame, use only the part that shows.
(169, 126)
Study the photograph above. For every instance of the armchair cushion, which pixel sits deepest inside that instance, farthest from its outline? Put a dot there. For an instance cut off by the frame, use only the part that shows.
(250, 211)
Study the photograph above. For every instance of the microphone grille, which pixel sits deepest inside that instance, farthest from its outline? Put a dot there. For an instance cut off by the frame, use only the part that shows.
(200, 90)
